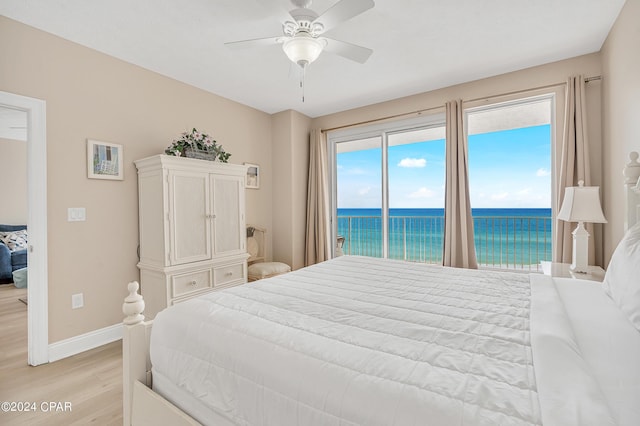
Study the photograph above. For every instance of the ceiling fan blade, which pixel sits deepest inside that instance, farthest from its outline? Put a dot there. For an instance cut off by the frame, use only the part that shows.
(347, 50)
(341, 11)
(256, 42)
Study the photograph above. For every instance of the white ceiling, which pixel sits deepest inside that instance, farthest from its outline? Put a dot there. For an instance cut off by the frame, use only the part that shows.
(419, 45)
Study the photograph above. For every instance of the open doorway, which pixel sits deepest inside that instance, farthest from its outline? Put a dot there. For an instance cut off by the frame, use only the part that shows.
(32, 113)
(13, 234)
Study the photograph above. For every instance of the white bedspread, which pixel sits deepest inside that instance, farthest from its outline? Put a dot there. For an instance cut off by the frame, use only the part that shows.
(361, 341)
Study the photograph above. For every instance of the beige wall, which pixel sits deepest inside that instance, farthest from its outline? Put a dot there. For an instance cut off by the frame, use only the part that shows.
(92, 95)
(282, 177)
(550, 77)
(530, 78)
(290, 167)
(300, 167)
(13, 183)
(621, 116)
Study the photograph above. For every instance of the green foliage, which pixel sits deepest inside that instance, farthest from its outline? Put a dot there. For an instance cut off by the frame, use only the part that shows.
(198, 141)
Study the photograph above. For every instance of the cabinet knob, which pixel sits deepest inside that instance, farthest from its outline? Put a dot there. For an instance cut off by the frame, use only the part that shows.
(193, 283)
(228, 274)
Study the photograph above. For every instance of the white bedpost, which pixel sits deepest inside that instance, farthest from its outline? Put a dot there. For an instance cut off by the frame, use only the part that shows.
(135, 354)
(632, 190)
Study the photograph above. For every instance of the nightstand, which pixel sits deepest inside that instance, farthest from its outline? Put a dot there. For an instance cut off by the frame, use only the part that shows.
(595, 273)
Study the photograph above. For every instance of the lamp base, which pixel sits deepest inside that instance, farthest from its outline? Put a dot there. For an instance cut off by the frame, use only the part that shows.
(580, 264)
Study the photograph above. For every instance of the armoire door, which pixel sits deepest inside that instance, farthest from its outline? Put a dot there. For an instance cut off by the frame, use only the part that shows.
(189, 217)
(229, 232)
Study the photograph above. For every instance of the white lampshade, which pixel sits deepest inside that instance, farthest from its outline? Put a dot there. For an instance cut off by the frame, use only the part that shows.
(582, 204)
(303, 49)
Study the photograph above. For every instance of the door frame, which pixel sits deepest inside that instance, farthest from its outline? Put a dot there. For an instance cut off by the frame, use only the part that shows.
(37, 273)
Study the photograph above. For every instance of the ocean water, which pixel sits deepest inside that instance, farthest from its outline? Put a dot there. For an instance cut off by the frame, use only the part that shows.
(506, 238)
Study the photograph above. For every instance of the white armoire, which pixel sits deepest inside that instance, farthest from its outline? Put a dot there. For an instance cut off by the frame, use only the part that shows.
(192, 229)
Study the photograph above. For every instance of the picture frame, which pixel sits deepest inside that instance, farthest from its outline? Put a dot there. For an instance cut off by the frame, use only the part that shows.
(252, 180)
(104, 160)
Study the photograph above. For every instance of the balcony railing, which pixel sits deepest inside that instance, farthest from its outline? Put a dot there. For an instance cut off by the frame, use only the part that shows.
(504, 242)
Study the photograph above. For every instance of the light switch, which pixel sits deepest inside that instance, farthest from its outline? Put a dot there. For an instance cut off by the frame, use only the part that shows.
(76, 214)
(77, 301)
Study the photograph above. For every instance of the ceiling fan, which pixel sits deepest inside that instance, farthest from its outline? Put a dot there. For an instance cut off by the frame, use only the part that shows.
(302, 28)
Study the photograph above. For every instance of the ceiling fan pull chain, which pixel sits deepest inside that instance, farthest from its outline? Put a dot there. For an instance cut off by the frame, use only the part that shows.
(302, 81)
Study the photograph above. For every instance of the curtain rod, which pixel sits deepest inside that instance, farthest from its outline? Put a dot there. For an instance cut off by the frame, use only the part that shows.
(420, 111)
(375, 120)
(515, 92)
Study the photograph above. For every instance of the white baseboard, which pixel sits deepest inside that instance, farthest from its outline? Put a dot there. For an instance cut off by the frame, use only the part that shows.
(84, 342)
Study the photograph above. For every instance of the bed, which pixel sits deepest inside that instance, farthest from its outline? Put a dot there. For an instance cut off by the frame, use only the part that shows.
(363, 341)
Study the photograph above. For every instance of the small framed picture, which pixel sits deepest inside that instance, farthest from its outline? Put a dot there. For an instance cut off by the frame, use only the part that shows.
(253, 176)
(104, 160)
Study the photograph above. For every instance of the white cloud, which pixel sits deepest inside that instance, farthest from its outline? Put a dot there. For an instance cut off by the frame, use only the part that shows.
(525, 191)
(422, 193)
(412, 162)
(543, 172)
(500, 196)
(364, 191)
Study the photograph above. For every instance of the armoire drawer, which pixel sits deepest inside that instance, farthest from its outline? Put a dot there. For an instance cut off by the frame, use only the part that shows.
(226, 274)
(184, 284)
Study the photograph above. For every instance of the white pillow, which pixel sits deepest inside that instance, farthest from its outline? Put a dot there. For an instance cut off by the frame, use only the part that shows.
(622, 280)
(15, 240)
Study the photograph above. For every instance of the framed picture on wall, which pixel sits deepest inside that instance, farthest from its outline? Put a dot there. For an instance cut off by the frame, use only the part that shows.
(104, 160)
(253, 176)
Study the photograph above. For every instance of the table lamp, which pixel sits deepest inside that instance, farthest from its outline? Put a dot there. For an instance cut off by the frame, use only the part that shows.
(581, 204)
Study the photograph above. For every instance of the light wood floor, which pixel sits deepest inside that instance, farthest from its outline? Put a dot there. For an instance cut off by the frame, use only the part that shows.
(91, 382)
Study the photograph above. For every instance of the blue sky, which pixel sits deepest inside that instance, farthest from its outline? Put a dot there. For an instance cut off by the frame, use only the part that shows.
(507, 169)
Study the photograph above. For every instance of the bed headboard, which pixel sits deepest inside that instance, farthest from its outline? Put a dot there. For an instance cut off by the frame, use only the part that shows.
(632, 191)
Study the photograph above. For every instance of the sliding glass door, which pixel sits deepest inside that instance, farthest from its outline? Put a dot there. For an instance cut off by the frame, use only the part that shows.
(389, 190)
(416, 173)
(359, 196)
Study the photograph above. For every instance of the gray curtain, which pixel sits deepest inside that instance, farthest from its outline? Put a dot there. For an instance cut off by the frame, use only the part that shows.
(459, 248)
(574, 166)
(318, 248)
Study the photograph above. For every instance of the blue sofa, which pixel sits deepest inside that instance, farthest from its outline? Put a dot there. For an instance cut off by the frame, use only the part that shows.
(11, 261)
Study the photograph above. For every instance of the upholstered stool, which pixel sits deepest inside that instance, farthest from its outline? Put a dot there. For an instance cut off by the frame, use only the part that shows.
(258, 268)
(258, 271)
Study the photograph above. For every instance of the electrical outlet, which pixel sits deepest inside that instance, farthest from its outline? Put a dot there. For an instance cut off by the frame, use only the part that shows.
(77, 301)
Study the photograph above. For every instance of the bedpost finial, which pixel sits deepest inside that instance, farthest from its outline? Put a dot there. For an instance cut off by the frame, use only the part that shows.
(631, 170)
(133, 287)
(133, 305)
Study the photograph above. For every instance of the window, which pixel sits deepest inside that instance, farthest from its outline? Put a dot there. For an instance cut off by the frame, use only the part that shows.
(510, 182)
(389, 185)
(389, 189)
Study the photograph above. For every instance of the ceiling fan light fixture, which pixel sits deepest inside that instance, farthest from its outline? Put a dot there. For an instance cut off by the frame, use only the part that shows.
(303, 49)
